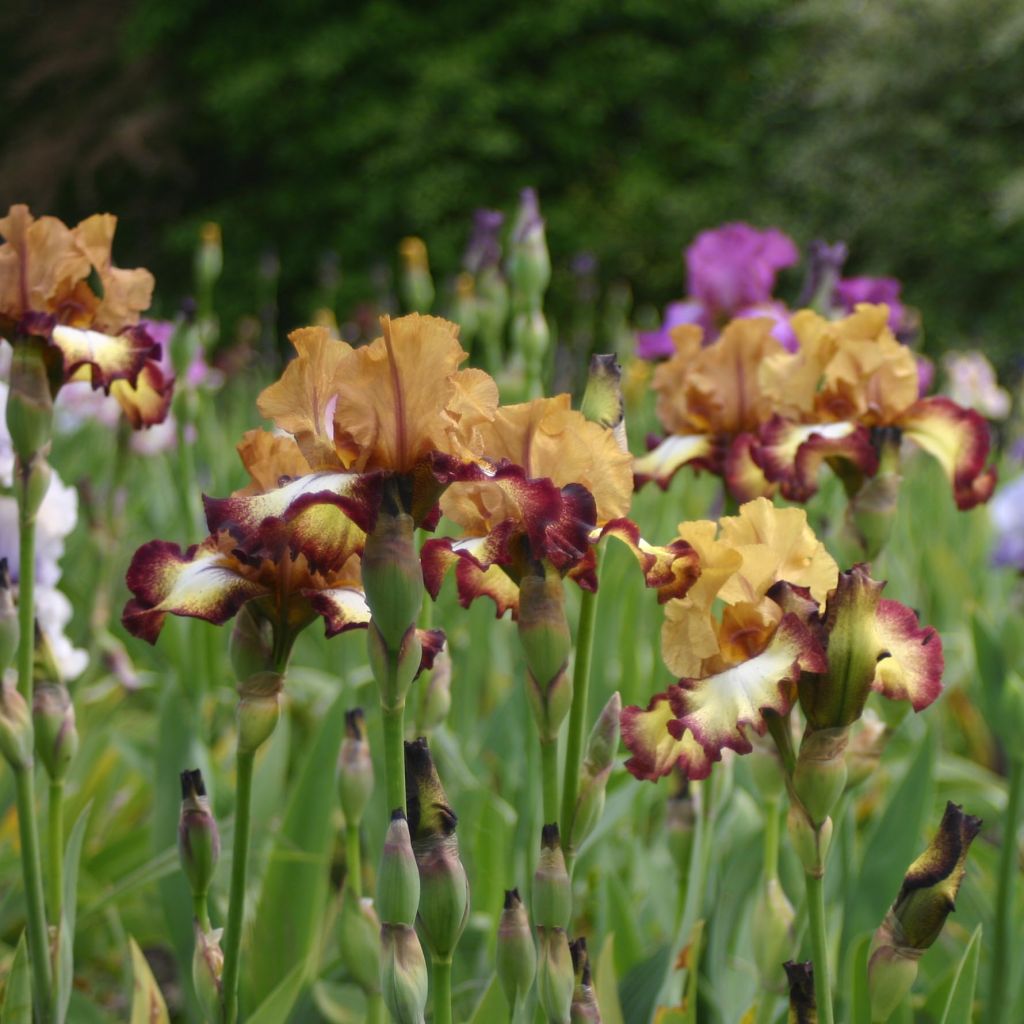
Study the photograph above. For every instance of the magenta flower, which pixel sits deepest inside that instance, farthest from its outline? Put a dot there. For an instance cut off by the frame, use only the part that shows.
(735, 266)
(852, 290)
(658, 344)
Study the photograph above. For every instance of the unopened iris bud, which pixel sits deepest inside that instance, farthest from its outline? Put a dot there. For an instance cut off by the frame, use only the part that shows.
(552, 890)
(29, 401)
(359, 940)
(259, 708)
(597, 766)
(772, 928)
(602, 399)
(555, 978)
(820, 774)
(198, 838)
(393, 577)
(802, 1006)
(529, 263)
(251, 646)
(355, 768)
(680, 822)
(516, 953)
(417, 284)
(207, 969)
(868, 738)
(33, 479)
(403, 973)
(444, 888)
(437, 696)
(209, 256)
(15, 727)
(10, 630)
(584, 1008)
(872, 510)
(398, 883)
(810, 843)
(914, 921)
(53, 718)
(393, 670)
(546, 642)
(531, 335)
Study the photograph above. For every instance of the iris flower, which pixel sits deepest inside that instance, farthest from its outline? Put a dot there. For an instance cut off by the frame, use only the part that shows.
(556, 483)
(214, 579)
(59, 288)
(771, 619)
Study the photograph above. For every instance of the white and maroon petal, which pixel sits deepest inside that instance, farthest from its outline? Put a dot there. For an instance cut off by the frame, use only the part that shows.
(201, 583)
(791, 453)
(109, 357)
(432, 643)
(719, 709)
(670, 569)
(478, 573)
(742, 472)
(662, 462)
(342, 608)
(146, 402)
(649, 734)
(910, 664)
(959, 439)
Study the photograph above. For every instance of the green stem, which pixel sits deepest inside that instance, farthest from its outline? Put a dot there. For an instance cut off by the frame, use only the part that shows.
(578, 715)
(353, 859)
(1000, 994)
(56, 838)
(38, 936)
(200, 911)
(26, 599)
(375, 1012)
(394, 755)
(549, 780)
(236, 901)
(442, 991)
(765, 1009)
(819, 946)
(771, 839)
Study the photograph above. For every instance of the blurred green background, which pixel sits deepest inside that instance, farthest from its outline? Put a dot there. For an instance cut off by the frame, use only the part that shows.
(318, 134)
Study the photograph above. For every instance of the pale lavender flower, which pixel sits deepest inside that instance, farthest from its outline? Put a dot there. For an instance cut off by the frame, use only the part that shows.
(734, 265)
(971, 382)
(1006, 511)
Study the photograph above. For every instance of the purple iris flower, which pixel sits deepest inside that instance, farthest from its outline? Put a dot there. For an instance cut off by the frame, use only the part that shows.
(1006, 511)
(779, 312)
(658, 344)
(734, 266)
(851, 290)
(484, 248)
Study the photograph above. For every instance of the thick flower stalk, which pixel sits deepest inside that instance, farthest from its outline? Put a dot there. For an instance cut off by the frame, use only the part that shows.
(766, 419)
(914, 921)
(383, 429)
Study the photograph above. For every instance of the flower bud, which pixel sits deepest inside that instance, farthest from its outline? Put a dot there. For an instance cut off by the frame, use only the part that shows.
(393, 670)
(209, 260)
(355, 768)
(10, 630)
(868, 737)
(584, 1008)
(680, 822)
(53, 719)
(359, 940)
(207, 969)
(403, 973)
(251, 646)
(820, 774)
(547, 642)
(516, 953)
(529, 263)
(398, 883)
(198, 838)
(597, 766)
(444, 888)
(33, 480)
(259, 708)
(15, 727)
(810, 843)
(437, 695)
(872, 511)
(29, 401)
(891, 974)
(393, 577)
(417, 284)
(531, 335)
(555, 979)
(772, 929)
(802, 1006)
(552, 890)
(602, 400)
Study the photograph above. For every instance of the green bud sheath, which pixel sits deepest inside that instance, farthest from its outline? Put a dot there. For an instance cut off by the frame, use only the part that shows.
(53, 718)
(868, 738)
(259, 708)
(403, 974)
(393, 668)
(810, 843)
(516, 956)
(802, 1007)
(772, 929)
(198, 837)
(552, 890)
(355, 768)
(584, 1008)
(251, 647)
(393, 577)
(602, 400)
(820, 774)
(207, 969)
(359, 940)
(30, 400)
(680, 822)
(9, 629)
(546, 642)
(33, 477)
(437, 697)
(398, 883)
(555, 978)
(15, 728)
